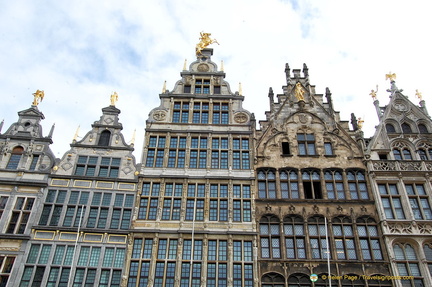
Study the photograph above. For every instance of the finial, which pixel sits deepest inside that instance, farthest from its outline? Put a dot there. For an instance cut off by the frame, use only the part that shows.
(38, 97)
(51, 131)
(373, 93)
(391, 76)
(114, 98)
(133, 137)
(419, 95)
(76, 134)
(240, 90)
(184, 65)
(164, 88)
(205, 40)
(222, 66)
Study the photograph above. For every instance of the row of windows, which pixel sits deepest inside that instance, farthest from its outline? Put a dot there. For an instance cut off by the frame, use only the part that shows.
(6, 264)
(97, 166)
(193, 199)
(293, 238)
(203, 86)
(106, 210)
(219, 153)
(406, 128)
(168, 264)
(312, 184)
(51, 264)
(201, 113)
(19, 214)
(396, 205)
(307, 146)
(16, 157)
(303, 280)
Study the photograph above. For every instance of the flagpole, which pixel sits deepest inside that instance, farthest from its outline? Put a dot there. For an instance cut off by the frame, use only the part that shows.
(328, 252)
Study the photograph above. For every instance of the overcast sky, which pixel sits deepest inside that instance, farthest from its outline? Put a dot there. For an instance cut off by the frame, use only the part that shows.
(79, 52)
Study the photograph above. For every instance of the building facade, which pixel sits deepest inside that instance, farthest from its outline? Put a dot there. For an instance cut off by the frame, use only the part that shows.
(217, 201)
(399, 162)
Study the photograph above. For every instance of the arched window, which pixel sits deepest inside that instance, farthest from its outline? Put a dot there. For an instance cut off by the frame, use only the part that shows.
(272, 280)
(424, 151)
(406, 128)
(402, 153)
(390, 128)
(353, 280)
(370, 246)
(294, 237)
(312, 184)
(379, 282)
(299, 280)
(357, 184)
(407, 264)
(344, 238)
(270, 237)
(15, 158)
(317, 238)
(289, 184)
(427, 248)
(334, 184)
(423, 129)
(267, 184)
(104, 138)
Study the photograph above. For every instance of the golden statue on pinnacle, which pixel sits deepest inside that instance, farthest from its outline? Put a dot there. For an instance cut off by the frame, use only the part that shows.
(205, 40)
(38, 97)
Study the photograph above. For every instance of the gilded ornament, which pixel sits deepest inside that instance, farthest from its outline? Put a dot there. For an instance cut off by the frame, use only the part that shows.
(391, 76)
(419, 95)
(38, 97)
(373, 93)
(299, 92)
(205, 41)
(114, 98)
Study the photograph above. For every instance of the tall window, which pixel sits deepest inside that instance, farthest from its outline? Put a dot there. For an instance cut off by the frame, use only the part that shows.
(241, 203)
(242, 266)
(195, 202)
(289, 185)
(267, 184)
(391, 201)
(191, 252)
(334, 184)
(424, 151)
(423, 129)
(172, 201)
(219, 153)
(357, 184)
(155, 153)
(200, 113)
(407, 264)
(15, 158)
(74, 213)
(294, 237)
(181, 112)
(240, 154)
(419, 201)
(34, 162)
(217, 266)
(369, 239)
(317, 239)
(198, 152)
(109, 167)
(220, 113)
(3, 202)
(306, 144)
(427, 248)
(177, 152)
(140, 262)
(270, 237)
(312, 184)
(53, 207)
(149, 201)
(20, 215)
(6, 264)
(344, 238)
(218, 202)
(166, 262)
(104, 138)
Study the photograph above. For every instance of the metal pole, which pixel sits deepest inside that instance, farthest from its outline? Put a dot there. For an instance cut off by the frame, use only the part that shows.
(328, 252)
(75, 247)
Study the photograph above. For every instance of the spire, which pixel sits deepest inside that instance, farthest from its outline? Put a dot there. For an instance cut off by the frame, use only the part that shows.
(184, 65)
(222, 66)
(287, 72)
(164, 88)
(133, 137)
(76, 134)
(305, 70)
(51, 131)
(240, 90)
(329, 99)
(271, 96)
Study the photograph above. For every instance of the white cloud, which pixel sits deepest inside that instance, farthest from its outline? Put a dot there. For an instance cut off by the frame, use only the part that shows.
(82, 51)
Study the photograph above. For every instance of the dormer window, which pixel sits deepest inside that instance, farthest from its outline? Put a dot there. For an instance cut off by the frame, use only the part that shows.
(202, 86)
(104, 139)
(15, 158)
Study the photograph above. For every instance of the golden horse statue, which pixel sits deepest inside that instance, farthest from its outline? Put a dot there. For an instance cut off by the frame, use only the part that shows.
(205, 40)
